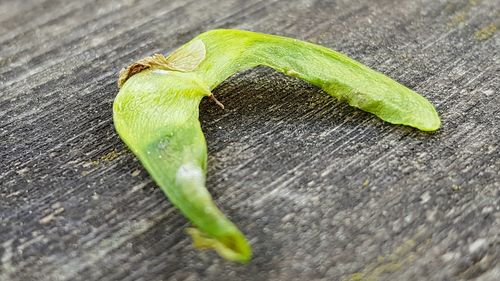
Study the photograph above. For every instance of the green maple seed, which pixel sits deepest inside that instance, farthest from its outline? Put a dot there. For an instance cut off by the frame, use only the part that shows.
(156, 112)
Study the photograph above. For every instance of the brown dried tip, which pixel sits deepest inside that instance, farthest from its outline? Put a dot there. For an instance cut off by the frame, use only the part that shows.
(186, 58)
(156, 60)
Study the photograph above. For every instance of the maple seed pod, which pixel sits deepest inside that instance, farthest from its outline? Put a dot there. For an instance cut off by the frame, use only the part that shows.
(156, 112)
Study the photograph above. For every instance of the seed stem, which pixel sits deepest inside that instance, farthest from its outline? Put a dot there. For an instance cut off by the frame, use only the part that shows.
(216, 101)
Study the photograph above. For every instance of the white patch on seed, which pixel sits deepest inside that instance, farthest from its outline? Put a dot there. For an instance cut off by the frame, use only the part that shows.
(189, 175)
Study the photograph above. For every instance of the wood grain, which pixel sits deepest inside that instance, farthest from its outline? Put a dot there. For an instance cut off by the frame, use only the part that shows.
(323, 191)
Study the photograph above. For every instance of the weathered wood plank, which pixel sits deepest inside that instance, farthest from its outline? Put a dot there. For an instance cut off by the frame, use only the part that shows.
(323, 191)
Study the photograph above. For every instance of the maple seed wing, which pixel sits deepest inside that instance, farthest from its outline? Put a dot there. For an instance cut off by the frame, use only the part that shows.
(188, 57)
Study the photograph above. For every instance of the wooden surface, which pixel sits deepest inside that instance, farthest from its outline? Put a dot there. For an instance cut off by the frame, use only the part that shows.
(323, 191)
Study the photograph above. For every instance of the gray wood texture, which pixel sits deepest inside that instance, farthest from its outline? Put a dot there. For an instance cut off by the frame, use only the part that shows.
(323, 191)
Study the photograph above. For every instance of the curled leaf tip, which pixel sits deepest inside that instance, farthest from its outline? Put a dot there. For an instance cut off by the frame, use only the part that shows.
(233, 247)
